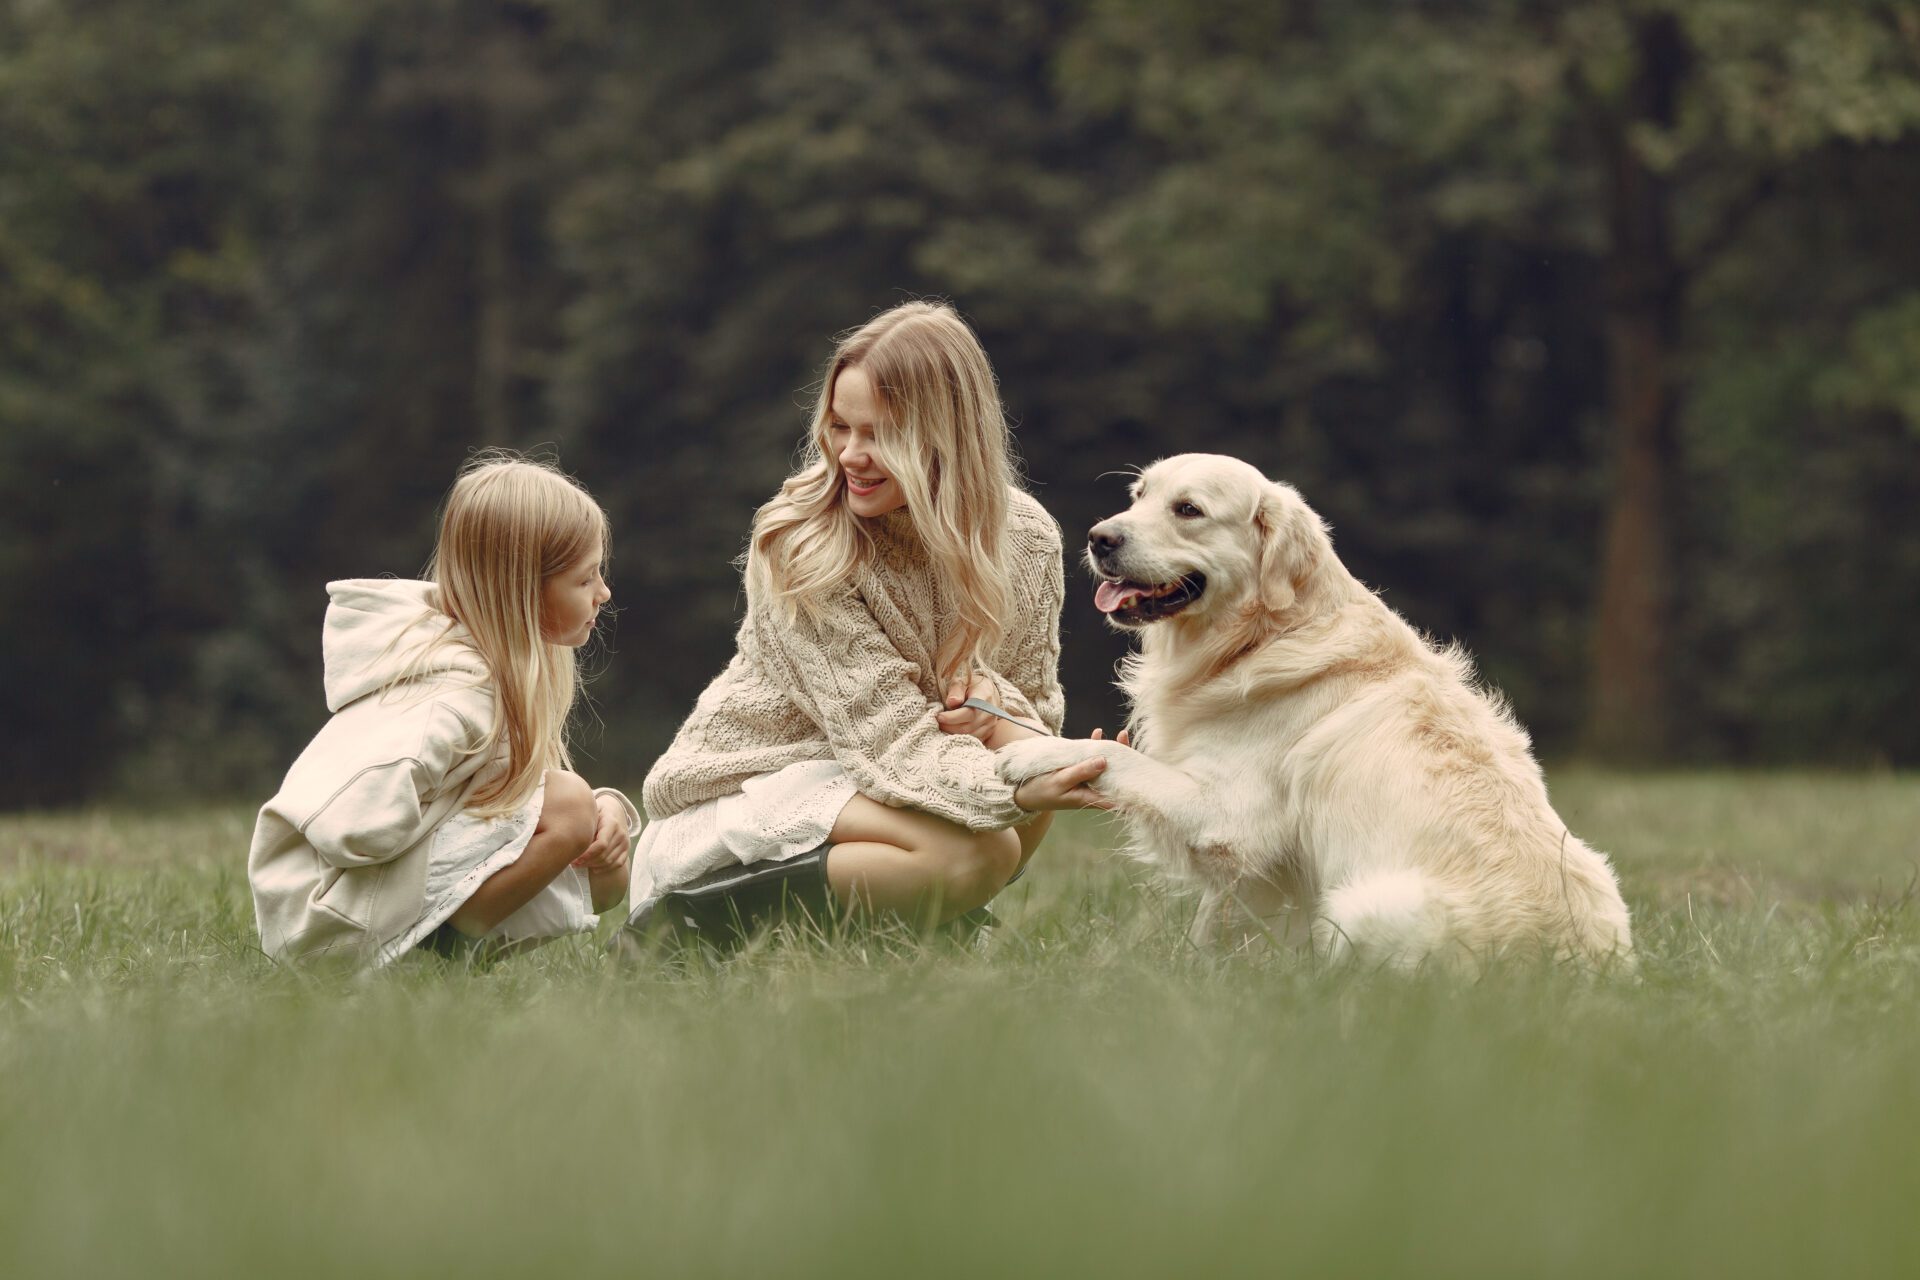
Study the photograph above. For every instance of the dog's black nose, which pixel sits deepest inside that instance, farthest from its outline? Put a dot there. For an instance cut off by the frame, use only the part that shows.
(1102, 542)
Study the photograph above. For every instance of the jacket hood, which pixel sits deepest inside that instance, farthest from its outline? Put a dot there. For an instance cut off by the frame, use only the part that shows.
(376, 626)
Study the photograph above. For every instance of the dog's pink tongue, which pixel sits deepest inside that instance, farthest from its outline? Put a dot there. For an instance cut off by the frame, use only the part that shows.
(1109, 596)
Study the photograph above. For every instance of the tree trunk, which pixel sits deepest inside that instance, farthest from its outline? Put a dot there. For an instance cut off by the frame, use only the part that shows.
(1630, 713)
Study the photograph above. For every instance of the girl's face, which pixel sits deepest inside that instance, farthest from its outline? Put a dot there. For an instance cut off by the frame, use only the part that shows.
(853, 417)
(570, 601)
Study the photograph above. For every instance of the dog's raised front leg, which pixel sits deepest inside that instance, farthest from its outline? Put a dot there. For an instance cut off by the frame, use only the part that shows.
(1179, 810)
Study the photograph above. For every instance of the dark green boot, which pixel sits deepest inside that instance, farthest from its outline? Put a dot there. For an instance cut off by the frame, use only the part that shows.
(726, 907)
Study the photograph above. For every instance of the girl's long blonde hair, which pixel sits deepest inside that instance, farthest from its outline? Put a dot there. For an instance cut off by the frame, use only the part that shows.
(944, 440)
(510, 523)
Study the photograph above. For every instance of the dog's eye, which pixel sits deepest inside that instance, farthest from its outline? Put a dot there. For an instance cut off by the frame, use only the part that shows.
(1187, 511)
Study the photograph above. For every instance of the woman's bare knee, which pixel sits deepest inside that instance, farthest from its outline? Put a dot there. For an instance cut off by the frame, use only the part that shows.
(934, 861)
(1031, 833)
(976, 869)
(1001, 856)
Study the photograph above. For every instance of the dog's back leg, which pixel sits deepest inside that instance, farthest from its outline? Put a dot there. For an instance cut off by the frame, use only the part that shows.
(1384, 919)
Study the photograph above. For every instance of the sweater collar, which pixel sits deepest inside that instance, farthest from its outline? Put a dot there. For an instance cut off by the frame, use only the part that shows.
(895, 536)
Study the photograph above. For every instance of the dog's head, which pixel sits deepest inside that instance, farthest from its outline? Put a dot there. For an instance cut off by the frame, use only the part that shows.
(1207, 536)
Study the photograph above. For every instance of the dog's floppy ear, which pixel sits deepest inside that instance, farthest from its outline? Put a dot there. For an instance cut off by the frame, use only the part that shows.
(1287, 545)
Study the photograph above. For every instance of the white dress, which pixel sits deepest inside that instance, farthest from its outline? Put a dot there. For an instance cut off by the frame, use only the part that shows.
(468, 849)
(772, 818)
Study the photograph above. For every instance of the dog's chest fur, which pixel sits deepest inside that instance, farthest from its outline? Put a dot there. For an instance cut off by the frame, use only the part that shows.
(1242, 750)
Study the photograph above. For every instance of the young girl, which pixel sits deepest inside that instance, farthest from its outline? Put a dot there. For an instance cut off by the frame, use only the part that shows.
(898, 573)
(436, 806)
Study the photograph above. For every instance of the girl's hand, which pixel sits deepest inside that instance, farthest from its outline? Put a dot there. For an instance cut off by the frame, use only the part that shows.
(608, 851)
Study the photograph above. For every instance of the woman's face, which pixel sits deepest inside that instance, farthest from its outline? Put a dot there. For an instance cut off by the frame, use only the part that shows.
(852, 418)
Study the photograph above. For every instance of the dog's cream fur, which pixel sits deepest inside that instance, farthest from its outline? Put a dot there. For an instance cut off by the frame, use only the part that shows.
(1316, 766)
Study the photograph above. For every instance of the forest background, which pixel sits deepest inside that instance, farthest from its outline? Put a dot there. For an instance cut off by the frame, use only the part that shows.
(1592, 327)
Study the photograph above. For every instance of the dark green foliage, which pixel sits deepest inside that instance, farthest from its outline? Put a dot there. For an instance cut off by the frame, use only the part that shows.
(267, 273)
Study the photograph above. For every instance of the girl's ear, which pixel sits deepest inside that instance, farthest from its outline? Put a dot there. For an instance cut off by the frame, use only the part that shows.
(1286, 546)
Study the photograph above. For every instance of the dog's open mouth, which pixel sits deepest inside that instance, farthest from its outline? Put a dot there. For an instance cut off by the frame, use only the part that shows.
(1133, 603)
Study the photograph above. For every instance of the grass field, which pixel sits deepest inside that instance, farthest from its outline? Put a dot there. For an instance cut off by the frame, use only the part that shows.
(1085, 1095)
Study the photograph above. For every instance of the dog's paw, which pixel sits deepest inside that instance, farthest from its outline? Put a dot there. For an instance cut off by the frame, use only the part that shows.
(1031, 757)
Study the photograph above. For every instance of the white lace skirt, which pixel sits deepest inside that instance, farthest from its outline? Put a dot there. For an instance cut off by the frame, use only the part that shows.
(773, 817)
(465, 851)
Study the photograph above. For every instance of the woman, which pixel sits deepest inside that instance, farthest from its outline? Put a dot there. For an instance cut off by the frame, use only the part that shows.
(896, 575)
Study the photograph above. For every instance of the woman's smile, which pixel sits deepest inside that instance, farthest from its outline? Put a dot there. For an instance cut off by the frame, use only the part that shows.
(854, 419)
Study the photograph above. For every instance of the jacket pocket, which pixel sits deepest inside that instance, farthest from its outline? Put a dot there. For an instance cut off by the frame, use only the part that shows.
(342, 915)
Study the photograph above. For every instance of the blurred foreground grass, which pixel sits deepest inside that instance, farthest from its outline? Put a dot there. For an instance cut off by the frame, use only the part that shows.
(1086, 1095)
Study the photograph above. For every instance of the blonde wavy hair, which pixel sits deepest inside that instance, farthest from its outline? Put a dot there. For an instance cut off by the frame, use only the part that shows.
(943, 438)
(510, 523)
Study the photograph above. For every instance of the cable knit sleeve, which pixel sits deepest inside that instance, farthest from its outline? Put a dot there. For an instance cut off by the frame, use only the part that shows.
(839, 667)
(1027, 669)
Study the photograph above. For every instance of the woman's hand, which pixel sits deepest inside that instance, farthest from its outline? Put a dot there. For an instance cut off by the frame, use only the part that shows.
(1064, 788)
(987, 727)
(1071, 787)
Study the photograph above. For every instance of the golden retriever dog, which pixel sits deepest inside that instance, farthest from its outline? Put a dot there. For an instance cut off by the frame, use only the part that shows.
(1317, 767)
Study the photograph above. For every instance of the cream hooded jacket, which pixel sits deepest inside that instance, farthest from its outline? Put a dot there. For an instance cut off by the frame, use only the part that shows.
(339, 860)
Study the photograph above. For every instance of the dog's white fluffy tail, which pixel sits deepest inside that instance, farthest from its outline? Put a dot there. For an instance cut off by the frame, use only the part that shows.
(1392, 919)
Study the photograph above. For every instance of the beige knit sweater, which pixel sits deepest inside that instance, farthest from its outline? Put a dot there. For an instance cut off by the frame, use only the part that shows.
(858, 684)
